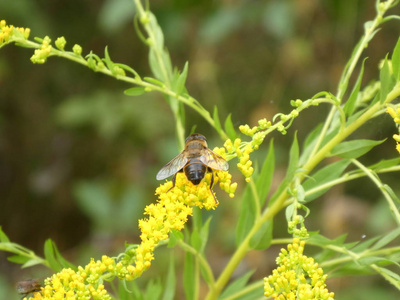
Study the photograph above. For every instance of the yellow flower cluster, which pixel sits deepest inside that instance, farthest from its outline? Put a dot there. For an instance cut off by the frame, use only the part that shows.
(83, 284)
(224, 177)
(9, 33)
(394, 112)
(169, 213)
(243, 150)
(297, 277)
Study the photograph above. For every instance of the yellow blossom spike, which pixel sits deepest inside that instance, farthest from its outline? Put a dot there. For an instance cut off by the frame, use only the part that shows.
(289, 278)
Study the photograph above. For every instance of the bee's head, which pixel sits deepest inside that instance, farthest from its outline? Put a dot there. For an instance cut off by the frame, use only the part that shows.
(195, 136)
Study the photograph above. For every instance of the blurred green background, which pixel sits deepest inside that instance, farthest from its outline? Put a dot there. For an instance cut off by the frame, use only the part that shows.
(78, 158)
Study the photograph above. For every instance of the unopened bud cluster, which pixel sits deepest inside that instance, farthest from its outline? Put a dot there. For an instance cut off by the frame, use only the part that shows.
(242, 151)
(293, 228)
(297, 276)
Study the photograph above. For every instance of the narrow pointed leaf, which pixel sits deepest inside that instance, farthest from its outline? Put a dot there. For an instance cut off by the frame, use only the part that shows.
(386, 80)
(351, 102)
(264, 179)
(355, 148)
(49, 255)
(246, 217)
(326, 174)
(179, 85)
(263, 237)
(170, 284)
(3, 237)
(396, 61)
(229, 129)
(387, 239)
(237, 285)
(386, 163)
(174, 237)
(135, 91)
(293, 158)
(217, 123)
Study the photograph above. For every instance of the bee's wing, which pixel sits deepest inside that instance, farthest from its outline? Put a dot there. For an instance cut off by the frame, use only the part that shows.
(214, 161)
(172, 167)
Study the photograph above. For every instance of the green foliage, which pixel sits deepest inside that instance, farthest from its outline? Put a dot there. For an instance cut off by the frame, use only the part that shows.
(310, 171)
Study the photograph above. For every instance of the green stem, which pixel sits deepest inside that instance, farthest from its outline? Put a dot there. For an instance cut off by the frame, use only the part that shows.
(375, 179)
(246, 290)
(346, 259)
(279, 203)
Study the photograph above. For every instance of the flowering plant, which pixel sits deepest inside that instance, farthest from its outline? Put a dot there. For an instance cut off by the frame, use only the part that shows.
(309, 175)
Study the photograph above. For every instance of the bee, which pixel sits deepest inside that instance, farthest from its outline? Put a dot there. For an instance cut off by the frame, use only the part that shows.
(26, 287)
(195, 160)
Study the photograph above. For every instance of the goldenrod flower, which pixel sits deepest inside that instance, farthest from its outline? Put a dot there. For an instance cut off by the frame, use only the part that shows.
(170, 212)
(394, 112)
(297, 276)
(9, 33)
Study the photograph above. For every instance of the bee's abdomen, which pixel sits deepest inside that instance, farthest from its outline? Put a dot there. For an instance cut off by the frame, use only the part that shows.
(195, 171)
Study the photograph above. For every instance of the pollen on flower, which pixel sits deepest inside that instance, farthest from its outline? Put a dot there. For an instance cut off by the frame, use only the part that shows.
(289, 278)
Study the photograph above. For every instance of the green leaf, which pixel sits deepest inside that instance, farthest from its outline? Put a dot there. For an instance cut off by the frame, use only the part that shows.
(3, 237)
(189, 277)
(159, 36)
(322, 241)
(289, 211)
(174, 237)
(135, 91)
(322, 176)
(179, 84)
(351, 102)
(309, 143)
(154, 81)
(217, 123)
(293, 158)
(386, 79)
(364, 245)
(386, 239)
(396, 61)
(354, 149)
(155, 66)
(263, 237)
(153, 290)
(386, 163)
(18, 259)
(205, 229)
(246, 217)
(54, 257)
(32, 262)
(229, 129)
(107, 60)
(264, 179)
(169, 289)
(128, 69)
(237, 285)
(50, 256)
(195, 239)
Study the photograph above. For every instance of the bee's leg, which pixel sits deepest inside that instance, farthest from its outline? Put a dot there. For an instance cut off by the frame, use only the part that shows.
(211, 184)
(173, 182)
